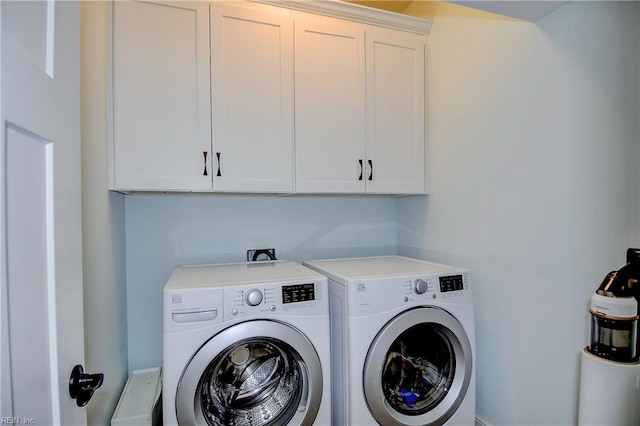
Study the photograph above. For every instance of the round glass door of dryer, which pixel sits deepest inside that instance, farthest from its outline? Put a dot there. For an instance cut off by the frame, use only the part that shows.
(418, 368)
(258, 373)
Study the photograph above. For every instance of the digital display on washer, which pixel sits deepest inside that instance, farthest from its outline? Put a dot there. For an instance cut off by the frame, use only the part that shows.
(451, 283)
(298, 293)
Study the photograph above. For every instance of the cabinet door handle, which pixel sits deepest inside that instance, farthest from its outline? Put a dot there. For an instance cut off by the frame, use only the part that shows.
(361, 169)
(370, 169)
(205, 153)
(219, 169)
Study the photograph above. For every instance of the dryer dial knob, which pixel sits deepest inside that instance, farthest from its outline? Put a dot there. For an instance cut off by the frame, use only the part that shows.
(420, 286)
(253, 297)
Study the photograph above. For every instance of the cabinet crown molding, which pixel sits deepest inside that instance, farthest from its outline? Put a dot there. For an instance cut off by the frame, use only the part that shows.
(355, 12)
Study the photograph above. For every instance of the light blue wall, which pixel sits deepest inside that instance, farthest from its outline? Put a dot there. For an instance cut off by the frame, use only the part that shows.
(534, 180)
(164, 231)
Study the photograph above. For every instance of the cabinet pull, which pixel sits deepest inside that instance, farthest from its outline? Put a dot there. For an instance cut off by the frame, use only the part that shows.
(361, 169)
(371, 169)
(205, 153)
(219, 170)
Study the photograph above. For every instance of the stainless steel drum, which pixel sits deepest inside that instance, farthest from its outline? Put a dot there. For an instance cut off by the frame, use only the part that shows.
(255, 373)
(254, 382)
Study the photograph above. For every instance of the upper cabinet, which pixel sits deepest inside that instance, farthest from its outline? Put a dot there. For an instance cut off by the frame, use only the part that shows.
(395, 150)
(161, 136)
(252, 97)
(276, 97)
(359, 108)
(330, 105)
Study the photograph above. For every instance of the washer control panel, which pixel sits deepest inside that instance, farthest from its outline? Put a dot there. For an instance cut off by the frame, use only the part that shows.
(297, 293)
(306, 298)
(420, 286)
(253, 297)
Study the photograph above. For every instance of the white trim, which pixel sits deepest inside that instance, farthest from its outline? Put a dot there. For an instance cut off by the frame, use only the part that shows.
(6, 402)
(111, 175)
(481, 421)
(52, 288)
(50, 42)
(355, 12)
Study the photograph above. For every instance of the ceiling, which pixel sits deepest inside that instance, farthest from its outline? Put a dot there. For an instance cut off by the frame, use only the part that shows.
(527, 10)
(390, 5)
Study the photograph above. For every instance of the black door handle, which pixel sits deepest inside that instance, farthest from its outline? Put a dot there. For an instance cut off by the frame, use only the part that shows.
(219, 170)
(82, 386)
(205, 153)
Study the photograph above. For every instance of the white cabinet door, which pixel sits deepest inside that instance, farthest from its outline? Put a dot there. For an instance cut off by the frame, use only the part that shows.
(252, 98)
(161, 97)
(329, 105)
(395, 112)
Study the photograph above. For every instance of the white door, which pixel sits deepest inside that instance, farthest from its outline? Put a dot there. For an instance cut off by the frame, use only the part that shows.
(40, 231)
(161, 112)
(395, 112)
(252, 97)
(329, 105)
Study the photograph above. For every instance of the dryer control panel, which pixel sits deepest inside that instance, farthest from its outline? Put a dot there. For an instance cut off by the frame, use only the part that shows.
(436, 286)
(371, 296)
(451, 283)
(446, 284)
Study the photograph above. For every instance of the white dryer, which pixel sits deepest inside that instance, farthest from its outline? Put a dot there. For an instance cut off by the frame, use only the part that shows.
(403, 342)
(246, 344)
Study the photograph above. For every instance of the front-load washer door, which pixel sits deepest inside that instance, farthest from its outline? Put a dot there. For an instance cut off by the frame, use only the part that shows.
(418, 368)
(256, 373)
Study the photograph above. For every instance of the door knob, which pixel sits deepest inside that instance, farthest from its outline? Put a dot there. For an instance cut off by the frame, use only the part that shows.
(82, 386)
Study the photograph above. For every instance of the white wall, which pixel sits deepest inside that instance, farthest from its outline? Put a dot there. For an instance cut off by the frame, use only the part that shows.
(534, 186)
(103, 228)
(167, 231)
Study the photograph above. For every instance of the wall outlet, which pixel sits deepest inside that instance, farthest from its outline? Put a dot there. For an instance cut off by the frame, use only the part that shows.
(254, 255)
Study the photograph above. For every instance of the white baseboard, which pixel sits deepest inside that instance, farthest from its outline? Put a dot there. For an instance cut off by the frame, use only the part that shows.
(480, 421)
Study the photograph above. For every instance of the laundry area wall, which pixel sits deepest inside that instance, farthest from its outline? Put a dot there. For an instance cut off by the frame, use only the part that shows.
(534, 186)
(534, 181)
(164, 231)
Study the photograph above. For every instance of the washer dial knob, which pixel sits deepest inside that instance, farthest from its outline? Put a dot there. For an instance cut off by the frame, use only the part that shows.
(253, 297)
(420, 286)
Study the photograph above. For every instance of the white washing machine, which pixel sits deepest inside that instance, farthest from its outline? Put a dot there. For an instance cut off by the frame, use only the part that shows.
(246, 344)
(402, 336)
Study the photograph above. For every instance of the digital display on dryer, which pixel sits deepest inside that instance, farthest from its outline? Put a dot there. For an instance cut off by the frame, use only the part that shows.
(451, 283)
(298, 293)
